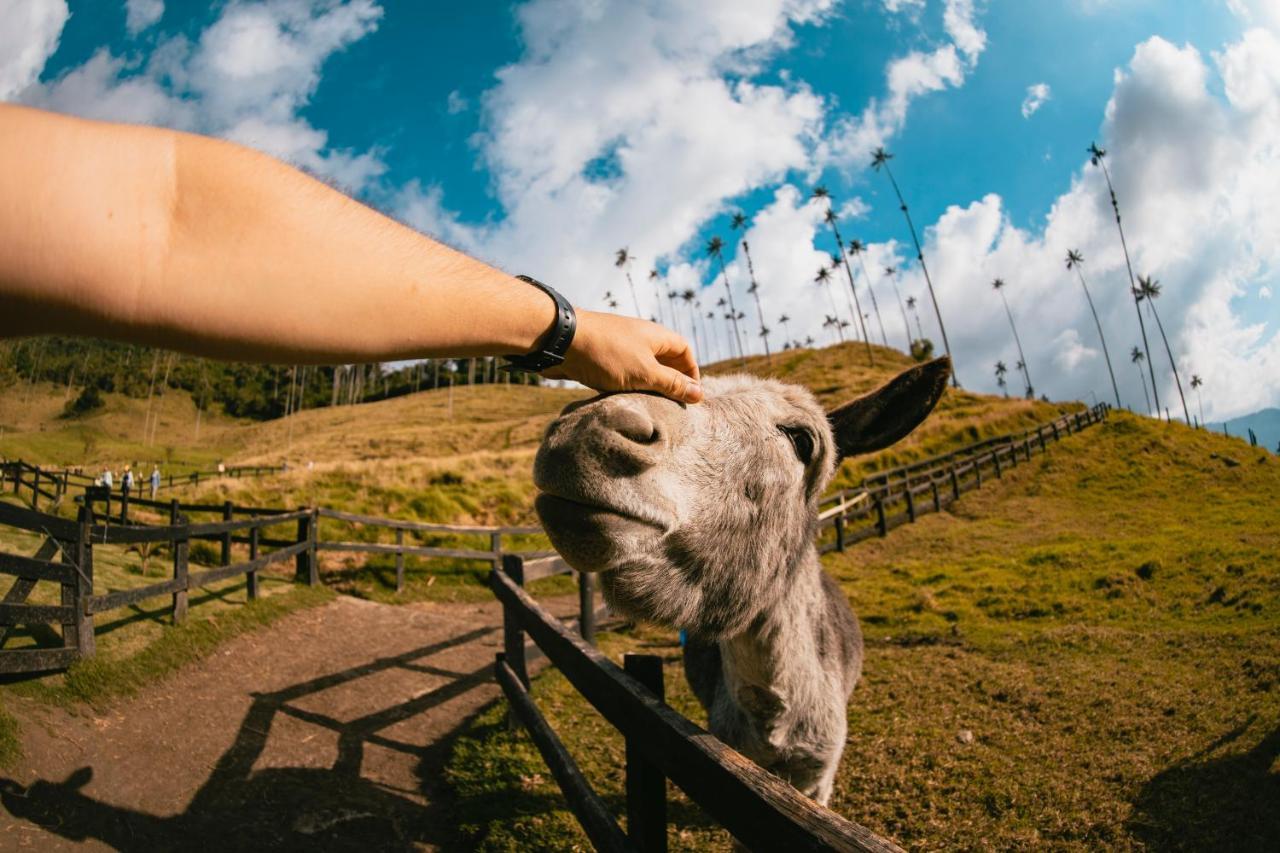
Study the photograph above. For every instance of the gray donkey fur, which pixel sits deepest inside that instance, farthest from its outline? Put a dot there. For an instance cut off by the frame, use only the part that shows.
(703, 518)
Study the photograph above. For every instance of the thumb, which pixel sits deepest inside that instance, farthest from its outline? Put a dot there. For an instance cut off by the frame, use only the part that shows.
(676, 385)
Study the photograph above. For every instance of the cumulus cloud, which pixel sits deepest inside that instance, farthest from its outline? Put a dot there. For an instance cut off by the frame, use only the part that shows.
(246, 77)
(140, 14)
(30, 35)
(662, 130)
(1198, 179)
(456, 103)
(1037, 94)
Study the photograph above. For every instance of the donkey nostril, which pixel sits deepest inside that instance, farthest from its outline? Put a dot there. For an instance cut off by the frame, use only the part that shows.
(634, 425)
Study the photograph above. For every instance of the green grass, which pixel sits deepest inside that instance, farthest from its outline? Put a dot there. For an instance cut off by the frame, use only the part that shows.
(1105, 621)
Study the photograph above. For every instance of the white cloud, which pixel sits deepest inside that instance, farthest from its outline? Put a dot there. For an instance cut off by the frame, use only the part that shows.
(1264, 292)
(1037, 94)
(1198, 179)
(456, 103)
(907, 77)
(30, 35)
(140, 14)
(246, 77)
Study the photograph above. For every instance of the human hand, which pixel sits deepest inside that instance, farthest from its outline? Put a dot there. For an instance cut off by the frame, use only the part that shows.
(615, 353)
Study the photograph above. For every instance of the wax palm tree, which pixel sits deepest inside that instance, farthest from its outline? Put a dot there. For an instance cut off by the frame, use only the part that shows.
(786, 330)
(714, 334)
(998, 285)
(687, 297)
(892, 274)
(856, 248)
(833, 324)
(715, 248)
(1001, 370)
(655, 279)
(1075, 261)
(911, 303)
(808, 340)
(754, 289)
(823, 280)
(1137, 358)
(838, 259)
(880, 160)
(1098, 157)
(622, 260)
(1196, 382)
(1149, 289)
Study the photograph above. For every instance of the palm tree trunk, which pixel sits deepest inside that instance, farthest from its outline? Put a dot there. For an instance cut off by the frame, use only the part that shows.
(1133, 286)
(1145, 395)
(906, 327)
(657, 297)
(634, 301)
(933, 297)
(835, 312)
(1026, 371)
(755, 291)
(862, 323)
(1151, 303)
(733, 311)
(1101, 337)
(885, 338)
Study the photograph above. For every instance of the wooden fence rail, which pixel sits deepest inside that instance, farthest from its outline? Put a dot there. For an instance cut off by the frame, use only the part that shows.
(889, 499)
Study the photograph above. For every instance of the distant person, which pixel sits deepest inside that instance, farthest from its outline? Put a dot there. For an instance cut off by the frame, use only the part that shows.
(108, 479)
(155, 481)
(175, 240)
(222, 469)
(126, 482)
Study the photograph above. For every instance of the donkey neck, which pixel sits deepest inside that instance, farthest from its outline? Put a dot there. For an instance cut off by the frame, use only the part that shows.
(778, 653)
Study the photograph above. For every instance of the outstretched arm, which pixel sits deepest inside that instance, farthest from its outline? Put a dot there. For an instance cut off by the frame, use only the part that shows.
(200, 245)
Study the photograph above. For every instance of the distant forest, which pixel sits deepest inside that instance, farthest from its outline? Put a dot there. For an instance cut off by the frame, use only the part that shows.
(257, 391)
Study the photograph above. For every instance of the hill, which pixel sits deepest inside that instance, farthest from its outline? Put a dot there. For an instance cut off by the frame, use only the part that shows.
(1083, 655)
(1265, 425)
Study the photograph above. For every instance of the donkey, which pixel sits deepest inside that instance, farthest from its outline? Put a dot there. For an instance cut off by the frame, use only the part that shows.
(703, 518)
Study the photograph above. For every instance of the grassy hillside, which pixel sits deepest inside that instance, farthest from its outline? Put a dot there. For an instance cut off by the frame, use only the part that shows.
(1084, 655)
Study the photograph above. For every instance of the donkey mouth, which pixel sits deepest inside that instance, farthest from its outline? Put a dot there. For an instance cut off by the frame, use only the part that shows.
(555, 510)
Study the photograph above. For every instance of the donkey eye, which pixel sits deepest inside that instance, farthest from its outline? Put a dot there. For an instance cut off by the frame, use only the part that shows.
(801, 442)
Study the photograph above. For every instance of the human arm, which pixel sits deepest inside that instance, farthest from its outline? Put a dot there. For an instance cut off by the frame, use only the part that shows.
(204, 246)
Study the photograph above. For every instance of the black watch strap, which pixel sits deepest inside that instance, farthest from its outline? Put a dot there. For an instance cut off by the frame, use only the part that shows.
(556, 343)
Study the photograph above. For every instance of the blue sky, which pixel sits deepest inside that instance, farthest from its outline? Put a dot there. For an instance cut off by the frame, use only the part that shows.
(536, 136)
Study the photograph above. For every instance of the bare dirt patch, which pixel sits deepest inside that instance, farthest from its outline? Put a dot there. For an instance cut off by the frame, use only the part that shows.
(326, 731)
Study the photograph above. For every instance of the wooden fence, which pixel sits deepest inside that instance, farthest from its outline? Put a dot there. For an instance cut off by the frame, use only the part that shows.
(757, 807)
(273, 537)
(34, 484)
(889, 499)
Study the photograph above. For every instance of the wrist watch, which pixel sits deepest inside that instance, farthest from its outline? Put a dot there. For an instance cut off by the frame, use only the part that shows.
(555, 344)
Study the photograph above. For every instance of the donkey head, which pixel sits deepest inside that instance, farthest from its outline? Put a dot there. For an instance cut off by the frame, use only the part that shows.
(699, 515)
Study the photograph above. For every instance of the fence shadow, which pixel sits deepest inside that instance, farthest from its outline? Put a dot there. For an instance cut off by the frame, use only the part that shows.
(332, 808)
(1231, 802)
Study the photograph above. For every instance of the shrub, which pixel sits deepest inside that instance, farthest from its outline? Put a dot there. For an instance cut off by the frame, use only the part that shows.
(87, 401)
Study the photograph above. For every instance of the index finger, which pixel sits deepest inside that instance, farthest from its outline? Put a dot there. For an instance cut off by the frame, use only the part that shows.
(674, 351)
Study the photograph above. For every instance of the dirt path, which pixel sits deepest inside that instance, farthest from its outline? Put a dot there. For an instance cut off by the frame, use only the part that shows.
(326, 731)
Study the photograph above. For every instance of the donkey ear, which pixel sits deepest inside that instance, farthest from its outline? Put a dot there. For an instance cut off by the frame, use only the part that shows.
(887, 414)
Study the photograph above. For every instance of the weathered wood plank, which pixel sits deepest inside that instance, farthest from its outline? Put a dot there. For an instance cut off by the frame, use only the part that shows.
(39, 522)
(125, 597)
(422, 526)
(35, 569)
(35, 614)
(223, 572)
(407, 550)
(36, 660)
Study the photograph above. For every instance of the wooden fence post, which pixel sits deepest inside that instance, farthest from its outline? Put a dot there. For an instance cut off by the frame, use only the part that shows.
(399, 559)
(35, 489)
(840, 531)
(646, 786)
(79, 634)
(226, 537)
(955, 482)
(251, 587)
(937, 498)
(995, 456)
(1056, 437)
(880, 521)
(305, 568)
(977, 469)
(911, 502)
(495, 545)
(512, 633)
(181, 551)
(124, 505)
(587, 606)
